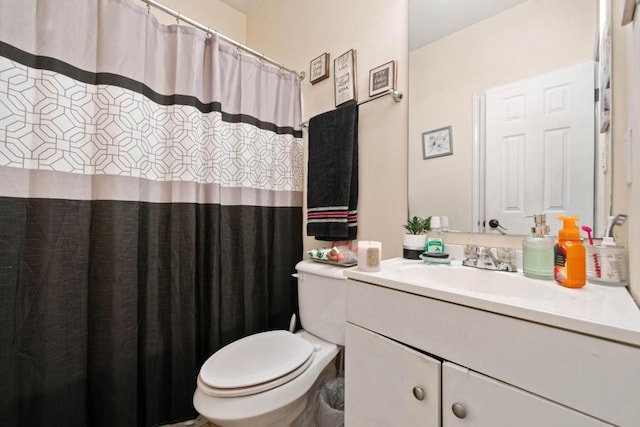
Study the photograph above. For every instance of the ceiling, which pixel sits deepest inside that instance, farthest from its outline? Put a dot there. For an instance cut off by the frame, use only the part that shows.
(243, 6)
(430, 20)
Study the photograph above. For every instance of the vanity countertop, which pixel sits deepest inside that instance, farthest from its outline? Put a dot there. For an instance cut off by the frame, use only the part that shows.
(601, 311)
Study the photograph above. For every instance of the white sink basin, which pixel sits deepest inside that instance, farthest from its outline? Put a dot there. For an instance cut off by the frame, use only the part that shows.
(498, 284)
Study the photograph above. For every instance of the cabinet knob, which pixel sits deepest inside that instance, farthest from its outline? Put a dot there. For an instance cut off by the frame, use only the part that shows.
(459, 410)
(418, 393)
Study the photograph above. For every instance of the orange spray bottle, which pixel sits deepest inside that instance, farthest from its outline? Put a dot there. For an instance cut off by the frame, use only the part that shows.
(570, 268)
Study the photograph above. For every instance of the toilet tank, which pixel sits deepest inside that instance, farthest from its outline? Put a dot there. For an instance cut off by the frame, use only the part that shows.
(321, 299)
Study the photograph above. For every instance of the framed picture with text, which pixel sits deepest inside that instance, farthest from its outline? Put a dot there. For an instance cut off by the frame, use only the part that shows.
(344, 75)
(319, 68)
(437, 143)
(382, 78)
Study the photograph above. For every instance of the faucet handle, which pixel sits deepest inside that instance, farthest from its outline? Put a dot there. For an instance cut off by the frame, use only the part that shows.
(470, 251)
(483, 251)
(507, 255)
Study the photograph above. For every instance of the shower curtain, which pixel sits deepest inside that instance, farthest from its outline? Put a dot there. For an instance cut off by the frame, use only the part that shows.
(150, 210)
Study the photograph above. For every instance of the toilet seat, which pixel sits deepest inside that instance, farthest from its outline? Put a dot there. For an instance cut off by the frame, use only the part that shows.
(255, 364)
(258, 388)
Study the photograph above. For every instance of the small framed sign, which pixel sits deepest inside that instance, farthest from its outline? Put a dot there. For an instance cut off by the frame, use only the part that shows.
(437, 143)
(382, 78)
(344, 74)
(319, 68)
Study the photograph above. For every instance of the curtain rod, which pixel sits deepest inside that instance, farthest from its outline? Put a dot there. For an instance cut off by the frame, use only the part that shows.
(229, 40)
(395, 94)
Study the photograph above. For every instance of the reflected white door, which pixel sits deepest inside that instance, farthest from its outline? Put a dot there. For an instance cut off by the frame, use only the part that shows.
(540, 147)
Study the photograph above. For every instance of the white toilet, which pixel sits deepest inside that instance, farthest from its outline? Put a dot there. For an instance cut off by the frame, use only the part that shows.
(265, 379)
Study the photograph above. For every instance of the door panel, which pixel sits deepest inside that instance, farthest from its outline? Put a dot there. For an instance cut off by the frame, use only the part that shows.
(540, 146)
(382, 375)
(485, 402)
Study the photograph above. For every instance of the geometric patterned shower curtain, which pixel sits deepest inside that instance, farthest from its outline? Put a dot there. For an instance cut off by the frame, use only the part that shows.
(150, 210)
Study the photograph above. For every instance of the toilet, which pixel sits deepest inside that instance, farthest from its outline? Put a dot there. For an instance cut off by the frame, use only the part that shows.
(271, 378)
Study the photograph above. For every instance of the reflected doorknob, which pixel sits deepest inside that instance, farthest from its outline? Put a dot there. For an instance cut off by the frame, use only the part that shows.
(495, 224)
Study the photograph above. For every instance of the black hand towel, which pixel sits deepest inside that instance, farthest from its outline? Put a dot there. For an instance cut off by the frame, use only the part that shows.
(332, 187)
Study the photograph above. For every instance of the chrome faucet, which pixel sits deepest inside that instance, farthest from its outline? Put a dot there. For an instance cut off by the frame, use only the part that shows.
(499, 259)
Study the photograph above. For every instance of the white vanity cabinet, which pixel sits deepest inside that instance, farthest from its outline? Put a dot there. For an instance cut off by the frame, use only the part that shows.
(491, 368)
(390, 384)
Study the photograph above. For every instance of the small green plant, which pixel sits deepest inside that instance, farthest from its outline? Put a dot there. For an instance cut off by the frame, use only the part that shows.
(417, 225)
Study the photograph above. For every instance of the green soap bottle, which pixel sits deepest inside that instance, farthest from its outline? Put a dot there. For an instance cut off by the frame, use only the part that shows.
(538, 251)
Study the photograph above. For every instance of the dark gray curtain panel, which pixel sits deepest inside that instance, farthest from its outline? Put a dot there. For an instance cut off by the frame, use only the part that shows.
(150, 210)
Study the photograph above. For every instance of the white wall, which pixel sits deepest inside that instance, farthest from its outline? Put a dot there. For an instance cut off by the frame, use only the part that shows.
(212, 13)
(619, 86)
(544, 35)
(297, 31)
(632, 33)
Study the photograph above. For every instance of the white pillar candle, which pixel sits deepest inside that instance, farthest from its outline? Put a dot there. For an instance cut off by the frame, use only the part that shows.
(369, 255)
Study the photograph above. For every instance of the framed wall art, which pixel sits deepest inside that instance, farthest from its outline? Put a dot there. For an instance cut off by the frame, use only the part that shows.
(319, 68)
(437, 143)
(382, 78)
(344, 74)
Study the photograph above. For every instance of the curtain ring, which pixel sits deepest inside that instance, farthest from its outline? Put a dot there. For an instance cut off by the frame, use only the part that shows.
(208, 32)
(178, 19)
(148, 9)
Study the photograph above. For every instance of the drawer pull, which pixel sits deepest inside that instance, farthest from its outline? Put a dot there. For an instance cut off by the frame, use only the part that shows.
(418, 393)
(459, 410)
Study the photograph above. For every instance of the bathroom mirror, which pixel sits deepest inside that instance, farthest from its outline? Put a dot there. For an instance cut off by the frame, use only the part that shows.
(515, 41)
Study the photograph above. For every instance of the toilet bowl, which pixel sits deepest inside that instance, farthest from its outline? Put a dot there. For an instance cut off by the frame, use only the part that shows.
(269, 379)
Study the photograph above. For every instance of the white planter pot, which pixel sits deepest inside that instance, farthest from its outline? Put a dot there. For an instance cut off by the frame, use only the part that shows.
(414, 241)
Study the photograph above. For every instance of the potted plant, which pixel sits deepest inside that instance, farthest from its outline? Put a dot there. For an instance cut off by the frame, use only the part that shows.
(415, 238)
(417, 225)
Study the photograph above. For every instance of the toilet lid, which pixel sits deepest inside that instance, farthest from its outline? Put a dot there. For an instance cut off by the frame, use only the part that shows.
(256, 359)
(258, 388)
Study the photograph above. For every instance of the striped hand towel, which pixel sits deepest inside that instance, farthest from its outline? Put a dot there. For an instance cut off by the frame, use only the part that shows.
(332, 187)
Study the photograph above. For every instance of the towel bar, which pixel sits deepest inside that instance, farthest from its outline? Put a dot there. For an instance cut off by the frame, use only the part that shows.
(395, 94)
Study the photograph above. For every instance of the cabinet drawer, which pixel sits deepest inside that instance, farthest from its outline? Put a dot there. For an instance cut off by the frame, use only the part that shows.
(591, 375)
(388, 384)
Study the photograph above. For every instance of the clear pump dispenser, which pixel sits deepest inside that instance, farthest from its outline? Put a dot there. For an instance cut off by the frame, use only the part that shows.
(538, 251)
(435, 237)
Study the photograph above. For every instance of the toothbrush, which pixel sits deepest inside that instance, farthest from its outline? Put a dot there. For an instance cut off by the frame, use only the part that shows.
(614, 220)
(596, 260)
